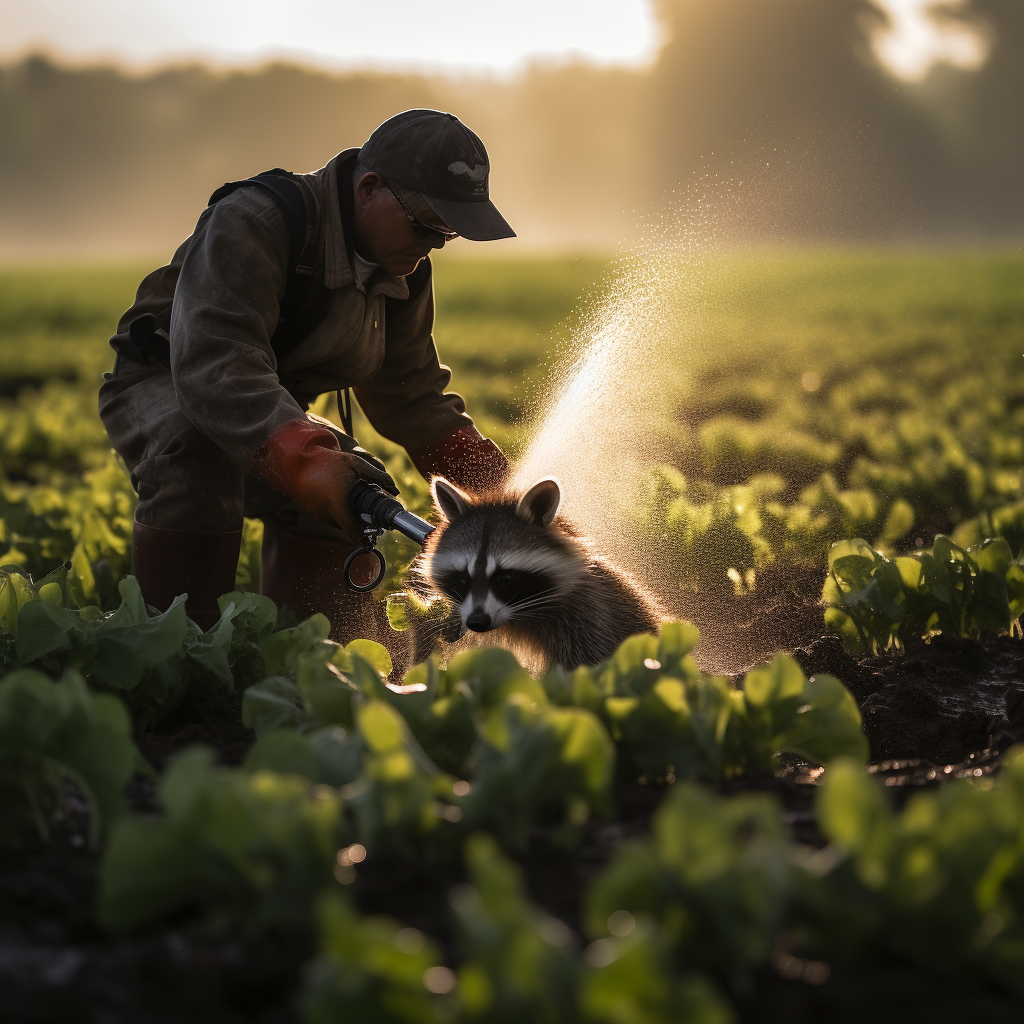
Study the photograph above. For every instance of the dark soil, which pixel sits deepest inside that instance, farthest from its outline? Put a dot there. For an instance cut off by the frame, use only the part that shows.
(795, 991)
(944, 709)
(207, 716)
(942, 704)
(57, 966)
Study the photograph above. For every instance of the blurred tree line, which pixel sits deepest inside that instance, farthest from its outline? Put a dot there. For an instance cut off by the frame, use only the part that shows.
(781, 95)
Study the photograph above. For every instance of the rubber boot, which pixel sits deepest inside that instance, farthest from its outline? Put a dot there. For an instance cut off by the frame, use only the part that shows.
(306, 574)
(171, 562)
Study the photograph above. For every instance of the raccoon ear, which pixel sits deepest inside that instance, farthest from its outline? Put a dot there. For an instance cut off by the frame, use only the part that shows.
(449, 499)
(540, 503)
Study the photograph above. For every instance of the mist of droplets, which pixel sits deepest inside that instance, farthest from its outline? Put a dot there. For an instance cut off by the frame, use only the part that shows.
(611, 407)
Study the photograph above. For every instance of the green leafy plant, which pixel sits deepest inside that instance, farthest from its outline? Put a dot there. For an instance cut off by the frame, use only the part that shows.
(521, 964)
(373, 969)
(713, 883)
(347, 732)
(536, 757)
(876, 603)
(484, 715)
(252, 847)
(52, 732)
(82, 520)
(149, 660)
(939, 885)
(631, 978)
(669, 719)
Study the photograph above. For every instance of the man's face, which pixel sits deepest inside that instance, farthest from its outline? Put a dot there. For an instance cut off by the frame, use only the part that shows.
(384, 233)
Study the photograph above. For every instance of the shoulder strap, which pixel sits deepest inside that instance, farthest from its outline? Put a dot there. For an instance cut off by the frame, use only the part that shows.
(297, 204)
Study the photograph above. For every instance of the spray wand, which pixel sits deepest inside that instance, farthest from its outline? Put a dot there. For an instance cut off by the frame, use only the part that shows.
(378, 511)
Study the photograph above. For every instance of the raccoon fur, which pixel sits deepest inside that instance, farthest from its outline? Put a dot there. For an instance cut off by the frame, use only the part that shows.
(523, 578)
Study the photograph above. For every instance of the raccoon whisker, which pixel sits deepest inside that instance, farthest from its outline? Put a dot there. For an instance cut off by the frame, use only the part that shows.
(548, 597)
(534, 611)
(541, 595)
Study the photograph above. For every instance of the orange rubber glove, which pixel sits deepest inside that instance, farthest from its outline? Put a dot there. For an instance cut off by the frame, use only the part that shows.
(304, 460)
(466, 458)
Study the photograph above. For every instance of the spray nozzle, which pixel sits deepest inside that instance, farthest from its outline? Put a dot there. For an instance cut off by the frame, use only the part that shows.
(378, 511)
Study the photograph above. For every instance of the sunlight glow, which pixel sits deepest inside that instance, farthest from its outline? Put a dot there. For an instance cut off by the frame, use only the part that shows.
(447, 35)
(924, 33)
(442, 34)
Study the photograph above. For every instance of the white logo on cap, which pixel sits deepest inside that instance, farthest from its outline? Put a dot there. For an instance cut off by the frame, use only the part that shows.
(477, 173)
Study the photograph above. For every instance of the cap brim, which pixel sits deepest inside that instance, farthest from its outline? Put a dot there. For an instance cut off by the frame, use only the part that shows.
(479, 222)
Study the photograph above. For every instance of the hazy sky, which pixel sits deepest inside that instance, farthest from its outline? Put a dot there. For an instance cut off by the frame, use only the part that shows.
(495, 35)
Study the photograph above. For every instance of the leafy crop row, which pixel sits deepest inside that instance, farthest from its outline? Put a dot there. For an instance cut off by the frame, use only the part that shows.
(876, 603)
(712, 534)
(827, 398)
(522, 748)
(149, 661)
(717, 893)
(478, 744)
(453, 761)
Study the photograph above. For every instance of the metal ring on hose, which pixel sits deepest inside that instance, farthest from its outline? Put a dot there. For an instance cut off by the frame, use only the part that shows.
(356, 580)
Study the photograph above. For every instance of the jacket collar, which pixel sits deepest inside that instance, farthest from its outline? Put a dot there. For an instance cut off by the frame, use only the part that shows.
(337, 219)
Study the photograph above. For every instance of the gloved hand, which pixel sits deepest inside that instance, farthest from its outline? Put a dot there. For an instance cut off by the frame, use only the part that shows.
(304, 460)
(466, 458)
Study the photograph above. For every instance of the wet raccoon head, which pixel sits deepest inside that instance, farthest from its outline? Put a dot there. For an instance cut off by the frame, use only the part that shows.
(503, 561)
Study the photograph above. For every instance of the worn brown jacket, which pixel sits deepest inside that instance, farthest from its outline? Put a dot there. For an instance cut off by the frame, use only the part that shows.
(224, 287)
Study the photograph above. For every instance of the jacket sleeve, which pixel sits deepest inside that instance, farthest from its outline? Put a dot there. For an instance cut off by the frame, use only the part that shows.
(406, 399)
(226, 308)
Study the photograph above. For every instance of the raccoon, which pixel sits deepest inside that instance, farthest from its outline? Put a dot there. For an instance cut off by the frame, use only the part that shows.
(514, 570)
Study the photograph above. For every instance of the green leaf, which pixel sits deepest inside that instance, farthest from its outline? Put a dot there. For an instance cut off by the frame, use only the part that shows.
(775, 685)
(149, 869)
(852, 810)
(282, 651)
(677, 641)
(381, 727)
(129, 643)
(274, 703)
(373, 654)
(81, 581)
(493, 674)
(285, 751)
(47, 629)
(826, 725)
(51, 731)
(251, 847)
(989, 609)
(370, 969)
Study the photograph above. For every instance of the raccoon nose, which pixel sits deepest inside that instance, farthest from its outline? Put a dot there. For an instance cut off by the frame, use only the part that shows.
(478, 621)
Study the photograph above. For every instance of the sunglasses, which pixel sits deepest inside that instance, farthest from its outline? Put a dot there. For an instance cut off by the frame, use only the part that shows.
(421, 229)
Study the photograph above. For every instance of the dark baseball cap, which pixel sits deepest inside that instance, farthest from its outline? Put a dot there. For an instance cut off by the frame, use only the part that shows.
(435, 154)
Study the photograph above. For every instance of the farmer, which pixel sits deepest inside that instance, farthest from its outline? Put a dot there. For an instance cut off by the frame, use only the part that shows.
(292, 286)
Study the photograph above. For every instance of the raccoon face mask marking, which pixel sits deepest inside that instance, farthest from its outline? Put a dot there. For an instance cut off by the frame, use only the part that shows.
(501, 564)
(509, 561)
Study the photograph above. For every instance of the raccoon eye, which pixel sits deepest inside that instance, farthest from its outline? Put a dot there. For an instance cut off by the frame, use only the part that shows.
(455, 584)
(515, 585)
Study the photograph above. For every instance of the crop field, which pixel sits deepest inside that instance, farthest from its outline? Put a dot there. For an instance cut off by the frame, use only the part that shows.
(802, 802)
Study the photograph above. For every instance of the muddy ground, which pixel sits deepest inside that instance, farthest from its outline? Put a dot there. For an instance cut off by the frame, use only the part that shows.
(942, 710)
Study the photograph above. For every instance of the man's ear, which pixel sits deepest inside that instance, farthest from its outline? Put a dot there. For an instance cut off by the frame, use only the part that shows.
(449, 499)
(540, 503)
(366, 186)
